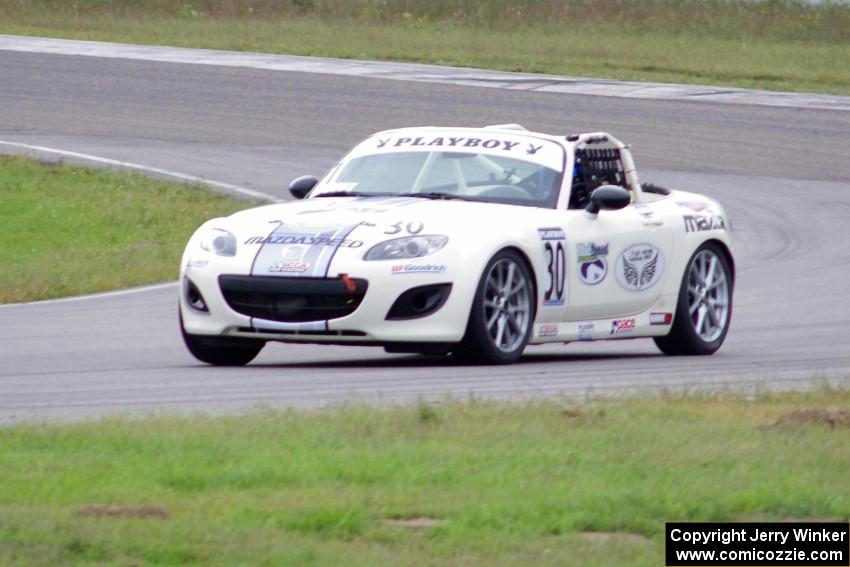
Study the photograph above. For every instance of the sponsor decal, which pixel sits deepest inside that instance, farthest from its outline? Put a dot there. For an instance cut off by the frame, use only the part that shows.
(640, 267)
(288, 250)
(308, 239)
(701, 223)
(592, 262)
(291, 267)
(413, 227)
(548, 330)
(448, 141)
(644, 211)
(417, 269)
(292, 260)
(551, 233)
(695, 206)
(293, 253)
(619, 326)
(585, 331)
(524, 147)
(660, 318)
(190, 263)
(556, 264)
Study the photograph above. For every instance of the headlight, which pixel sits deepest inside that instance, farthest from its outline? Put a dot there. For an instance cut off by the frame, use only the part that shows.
(409, 247)
(219, 242)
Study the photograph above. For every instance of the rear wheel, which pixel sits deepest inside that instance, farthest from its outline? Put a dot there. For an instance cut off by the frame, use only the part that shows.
(704, 308)
(221, 351)
(502, 312)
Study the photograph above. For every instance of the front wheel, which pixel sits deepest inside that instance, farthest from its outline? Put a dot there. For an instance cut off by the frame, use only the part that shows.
(221, 351)
(502, 312)
(704, 308)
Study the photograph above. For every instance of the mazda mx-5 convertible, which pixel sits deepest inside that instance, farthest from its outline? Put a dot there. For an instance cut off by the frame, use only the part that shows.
(474, 242)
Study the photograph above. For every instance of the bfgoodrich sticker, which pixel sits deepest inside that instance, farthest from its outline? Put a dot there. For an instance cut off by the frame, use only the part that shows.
(417, 269)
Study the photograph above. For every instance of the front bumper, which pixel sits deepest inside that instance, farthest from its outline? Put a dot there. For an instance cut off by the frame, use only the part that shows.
(348, 309)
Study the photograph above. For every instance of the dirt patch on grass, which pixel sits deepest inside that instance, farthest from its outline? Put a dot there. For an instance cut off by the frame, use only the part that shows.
(574, 413)
(419, 523)
(104, 511)
(832, 418)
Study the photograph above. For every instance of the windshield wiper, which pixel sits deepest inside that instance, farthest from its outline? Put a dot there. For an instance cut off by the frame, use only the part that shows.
(346, 194)
(436, 195)
(428, 195)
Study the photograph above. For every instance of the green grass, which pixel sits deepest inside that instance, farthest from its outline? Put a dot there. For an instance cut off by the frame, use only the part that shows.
(776, 44)
(68, 230)
(506, 484)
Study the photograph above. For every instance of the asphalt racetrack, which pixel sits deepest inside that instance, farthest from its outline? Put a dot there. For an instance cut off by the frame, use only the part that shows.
(782, 172)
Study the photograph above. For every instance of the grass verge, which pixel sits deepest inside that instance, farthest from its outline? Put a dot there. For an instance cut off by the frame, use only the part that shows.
(473, 483)
(67, 230)
(777, 44)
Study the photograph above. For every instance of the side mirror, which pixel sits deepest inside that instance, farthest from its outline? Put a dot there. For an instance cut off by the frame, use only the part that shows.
(607, 198)
(301, 186)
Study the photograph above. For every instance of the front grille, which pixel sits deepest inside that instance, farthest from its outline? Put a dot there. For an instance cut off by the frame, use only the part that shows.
(301, 333)
(292, 300)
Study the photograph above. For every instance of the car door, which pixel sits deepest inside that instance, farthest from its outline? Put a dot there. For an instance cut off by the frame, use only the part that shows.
(617, 261)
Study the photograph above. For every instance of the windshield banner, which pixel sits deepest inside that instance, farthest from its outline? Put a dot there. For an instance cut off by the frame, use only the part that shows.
(535, 150)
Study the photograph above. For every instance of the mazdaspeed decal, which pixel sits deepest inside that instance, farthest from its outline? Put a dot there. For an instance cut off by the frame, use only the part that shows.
(592, 262)
(321, 239)
(296, 254)
(640, 267)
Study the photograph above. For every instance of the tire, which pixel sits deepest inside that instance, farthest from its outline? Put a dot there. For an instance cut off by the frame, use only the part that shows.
(704, 308)
(220, 351)
(502, 312)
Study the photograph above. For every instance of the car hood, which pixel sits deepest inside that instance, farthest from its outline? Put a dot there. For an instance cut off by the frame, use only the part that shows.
(303, 238)
(371, 217)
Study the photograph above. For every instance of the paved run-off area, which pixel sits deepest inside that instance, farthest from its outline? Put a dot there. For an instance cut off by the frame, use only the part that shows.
(782, 173)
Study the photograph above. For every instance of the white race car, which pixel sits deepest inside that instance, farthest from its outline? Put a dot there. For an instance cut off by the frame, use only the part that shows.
(469, 241)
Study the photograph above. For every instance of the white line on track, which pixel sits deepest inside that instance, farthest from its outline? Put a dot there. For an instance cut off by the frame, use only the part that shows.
(423, 73)
(102, 295)
(226, 187)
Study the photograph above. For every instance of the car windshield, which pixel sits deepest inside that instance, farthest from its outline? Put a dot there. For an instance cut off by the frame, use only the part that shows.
(467, 175)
